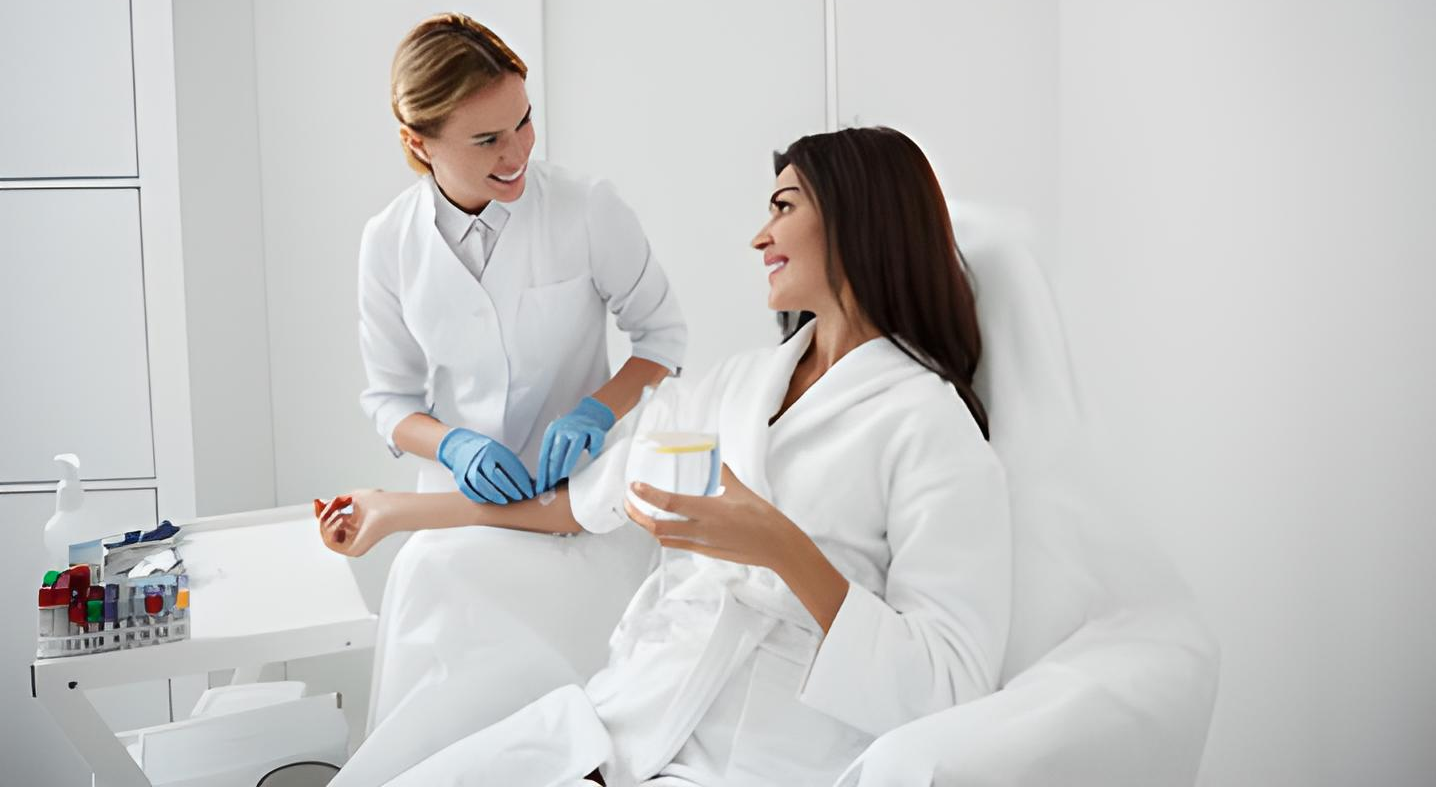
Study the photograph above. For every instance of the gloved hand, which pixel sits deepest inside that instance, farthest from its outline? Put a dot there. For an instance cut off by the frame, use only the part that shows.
(567, 437)
(485, 470)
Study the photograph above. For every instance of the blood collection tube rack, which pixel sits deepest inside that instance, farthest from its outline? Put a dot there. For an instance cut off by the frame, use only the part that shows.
(123, 638)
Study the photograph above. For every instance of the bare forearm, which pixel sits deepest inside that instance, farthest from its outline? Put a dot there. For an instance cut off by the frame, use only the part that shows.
(420, 434)
(813, 579)
(625, 389)
(432, 510)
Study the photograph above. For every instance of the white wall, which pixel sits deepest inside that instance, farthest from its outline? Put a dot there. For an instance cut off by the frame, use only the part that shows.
(682, 106)
(974, 83)
(220, 209)
(1246, 237)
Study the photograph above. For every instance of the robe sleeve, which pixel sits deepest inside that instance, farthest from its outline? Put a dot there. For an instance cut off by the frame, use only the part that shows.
(394, 364)
(935, 635)
(596, 489)
(631, 282)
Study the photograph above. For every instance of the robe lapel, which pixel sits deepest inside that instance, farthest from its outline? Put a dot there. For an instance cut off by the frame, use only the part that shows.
(866, 371)
(744, 428)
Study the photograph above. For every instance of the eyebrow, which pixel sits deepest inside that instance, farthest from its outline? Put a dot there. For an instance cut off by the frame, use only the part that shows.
(500, 131)
(773, 200)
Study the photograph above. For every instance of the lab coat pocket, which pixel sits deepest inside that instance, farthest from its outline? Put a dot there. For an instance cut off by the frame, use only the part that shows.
(552, 320)
(554, 323)
(557, 303)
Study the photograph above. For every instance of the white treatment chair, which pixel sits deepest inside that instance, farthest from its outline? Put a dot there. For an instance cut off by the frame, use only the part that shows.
(1109, 677)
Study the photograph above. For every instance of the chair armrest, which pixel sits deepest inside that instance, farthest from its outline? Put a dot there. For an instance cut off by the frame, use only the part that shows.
(1127, 699)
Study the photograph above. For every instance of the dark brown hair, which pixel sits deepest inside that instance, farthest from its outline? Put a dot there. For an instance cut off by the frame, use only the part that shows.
(890, 235)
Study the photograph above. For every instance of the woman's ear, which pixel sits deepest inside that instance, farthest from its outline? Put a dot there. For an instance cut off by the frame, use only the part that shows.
(415, 143)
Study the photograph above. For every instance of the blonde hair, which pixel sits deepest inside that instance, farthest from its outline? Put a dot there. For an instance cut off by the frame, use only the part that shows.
(442, 61)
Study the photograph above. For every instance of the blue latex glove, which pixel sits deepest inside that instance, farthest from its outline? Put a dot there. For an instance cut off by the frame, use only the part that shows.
(485, 470)
(567, 437)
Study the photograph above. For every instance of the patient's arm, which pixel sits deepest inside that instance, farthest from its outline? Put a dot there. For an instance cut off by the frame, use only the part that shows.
(376, 513)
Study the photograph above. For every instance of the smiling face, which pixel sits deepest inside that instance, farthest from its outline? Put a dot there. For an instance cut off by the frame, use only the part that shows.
(795, 249)
(481, 150)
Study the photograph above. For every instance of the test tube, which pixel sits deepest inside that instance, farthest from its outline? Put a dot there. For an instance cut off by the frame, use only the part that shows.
(139, 633)
(79, 594)
(76, 625)
(94, 621)
(182, 606)
(154, 603)
(130, 638)
(167, 597)
(48, 609)
(112, 619)
(51, 621)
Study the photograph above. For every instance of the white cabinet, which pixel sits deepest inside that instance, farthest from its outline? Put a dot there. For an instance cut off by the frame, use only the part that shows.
(68, 90)
(93, 344)
(81, 50)
(34, 749)
(72, 314)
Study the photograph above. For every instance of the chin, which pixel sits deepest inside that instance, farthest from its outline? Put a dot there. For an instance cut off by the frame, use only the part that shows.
(514, 197)
(780, 304)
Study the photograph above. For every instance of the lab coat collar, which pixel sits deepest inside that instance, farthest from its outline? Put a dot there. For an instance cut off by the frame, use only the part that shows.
(455, 224)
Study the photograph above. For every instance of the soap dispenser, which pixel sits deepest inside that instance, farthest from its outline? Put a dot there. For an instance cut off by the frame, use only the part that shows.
(69, 525)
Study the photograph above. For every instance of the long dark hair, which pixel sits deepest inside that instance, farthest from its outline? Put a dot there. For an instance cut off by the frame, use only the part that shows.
(889, 229)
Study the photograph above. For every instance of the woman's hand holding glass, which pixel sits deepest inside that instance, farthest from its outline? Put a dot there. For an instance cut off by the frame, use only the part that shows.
(736, 525)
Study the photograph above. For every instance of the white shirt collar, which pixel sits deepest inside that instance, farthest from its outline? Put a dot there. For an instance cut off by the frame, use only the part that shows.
(455, 224)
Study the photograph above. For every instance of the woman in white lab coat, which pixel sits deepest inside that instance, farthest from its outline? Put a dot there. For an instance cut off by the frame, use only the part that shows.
(853, 575)
(482, 295)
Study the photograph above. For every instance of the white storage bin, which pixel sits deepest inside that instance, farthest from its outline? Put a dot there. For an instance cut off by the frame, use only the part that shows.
(240, 735)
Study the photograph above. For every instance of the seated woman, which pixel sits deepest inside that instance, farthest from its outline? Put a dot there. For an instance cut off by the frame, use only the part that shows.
(854, 573)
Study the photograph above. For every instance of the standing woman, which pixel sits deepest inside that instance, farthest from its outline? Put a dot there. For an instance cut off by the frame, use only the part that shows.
(482, 290)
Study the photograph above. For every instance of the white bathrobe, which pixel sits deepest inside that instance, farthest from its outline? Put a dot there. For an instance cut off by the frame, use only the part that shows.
(725, 678)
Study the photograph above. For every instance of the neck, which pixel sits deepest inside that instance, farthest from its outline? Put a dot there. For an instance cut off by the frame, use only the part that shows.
(472, 210)
(834, 337)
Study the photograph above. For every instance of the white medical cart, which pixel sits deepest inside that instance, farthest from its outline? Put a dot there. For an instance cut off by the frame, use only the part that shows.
(263, 590)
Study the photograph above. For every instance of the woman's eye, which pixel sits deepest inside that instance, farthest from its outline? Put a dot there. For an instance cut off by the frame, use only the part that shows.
(486, 142)
(783, 207)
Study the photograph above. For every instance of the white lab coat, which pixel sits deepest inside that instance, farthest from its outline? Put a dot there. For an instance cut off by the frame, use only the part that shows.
(503, 355)
(725, 677)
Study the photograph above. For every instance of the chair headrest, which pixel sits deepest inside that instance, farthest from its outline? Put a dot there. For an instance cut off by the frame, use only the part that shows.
(1076, 556)
(1024, 377)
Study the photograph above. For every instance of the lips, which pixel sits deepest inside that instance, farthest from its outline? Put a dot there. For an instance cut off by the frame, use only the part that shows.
(774, 264)
(511, 177)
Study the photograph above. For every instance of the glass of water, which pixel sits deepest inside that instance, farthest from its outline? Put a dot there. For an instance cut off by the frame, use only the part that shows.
(687, 463)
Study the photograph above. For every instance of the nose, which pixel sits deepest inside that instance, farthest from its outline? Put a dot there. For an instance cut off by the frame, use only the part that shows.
(514, 153)
(763, 239)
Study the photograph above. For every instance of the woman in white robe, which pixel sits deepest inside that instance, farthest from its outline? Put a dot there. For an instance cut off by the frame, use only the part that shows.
(854, 574)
